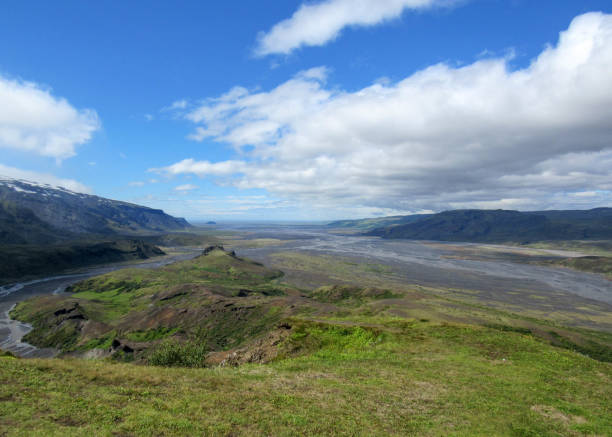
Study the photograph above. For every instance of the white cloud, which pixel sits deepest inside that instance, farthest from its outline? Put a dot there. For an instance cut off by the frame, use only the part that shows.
(186, 187)
(176, 105)
(33, 120)
(443, 137)
(137, 184)
(43, 178)
(202, 168)
(316, 24)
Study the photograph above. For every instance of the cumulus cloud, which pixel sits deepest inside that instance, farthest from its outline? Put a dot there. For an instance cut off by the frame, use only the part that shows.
(43, 178)
(33, 120)
(443, 137)
(317, 24)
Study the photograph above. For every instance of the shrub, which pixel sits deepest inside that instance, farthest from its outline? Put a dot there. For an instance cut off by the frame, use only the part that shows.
(172, 353)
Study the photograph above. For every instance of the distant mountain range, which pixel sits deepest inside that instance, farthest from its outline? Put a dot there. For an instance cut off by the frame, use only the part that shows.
(495, 226)
(32, 213)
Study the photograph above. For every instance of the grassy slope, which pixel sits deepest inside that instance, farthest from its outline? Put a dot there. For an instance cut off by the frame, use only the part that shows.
(217, 296)
(397, 378)
(381, 360)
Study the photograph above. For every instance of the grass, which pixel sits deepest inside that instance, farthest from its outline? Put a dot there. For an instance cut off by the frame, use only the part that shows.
(170, 353)
(326, 269)
(598, 257)
(19, 262)
(417, 378)
(353, 296)
(595, 248)
(311, 271)
(381, 358)
(231, 299)
(594, 264)
(151, 334)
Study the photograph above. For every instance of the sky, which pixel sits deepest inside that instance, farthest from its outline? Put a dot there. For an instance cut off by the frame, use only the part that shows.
(311, 110)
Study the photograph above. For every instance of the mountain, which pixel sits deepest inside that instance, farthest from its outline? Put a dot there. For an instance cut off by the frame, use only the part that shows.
(20, 225)
(373, 223)
(19, 262)
(504, 226)
(33, 213)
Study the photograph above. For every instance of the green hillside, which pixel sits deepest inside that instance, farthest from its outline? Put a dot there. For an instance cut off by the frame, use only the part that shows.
(383, 377)
(216, 298)
(220, 345)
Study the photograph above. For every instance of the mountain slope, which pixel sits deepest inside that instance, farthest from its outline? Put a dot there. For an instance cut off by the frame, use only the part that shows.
(39, 214)
(21, 226)
(18, 262)
(379, 222)
(503, 226)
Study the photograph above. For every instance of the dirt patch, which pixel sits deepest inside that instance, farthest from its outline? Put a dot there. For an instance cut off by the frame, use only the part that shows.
(260, 351)
(556, 415)
(68, 421)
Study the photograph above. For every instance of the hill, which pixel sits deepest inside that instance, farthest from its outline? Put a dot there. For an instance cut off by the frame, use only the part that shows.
(19, 262)
(32, 213)
(216, 298)
(499, 226)
(373, 223)
(337, 360)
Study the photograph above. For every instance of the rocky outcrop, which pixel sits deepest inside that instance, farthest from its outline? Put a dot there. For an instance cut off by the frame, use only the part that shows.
(260, 351)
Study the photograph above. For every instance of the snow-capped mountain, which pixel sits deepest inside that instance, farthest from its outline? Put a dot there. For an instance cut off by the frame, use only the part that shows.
(32, 212)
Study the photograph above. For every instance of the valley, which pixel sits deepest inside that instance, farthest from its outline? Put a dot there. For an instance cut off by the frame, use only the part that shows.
(281, 316)
(306, 218)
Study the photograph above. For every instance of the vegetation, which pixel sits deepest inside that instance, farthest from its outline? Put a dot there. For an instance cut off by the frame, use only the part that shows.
(232, 349)
(216, 298)
(594, 247)
(400, 377)
(595, 264)
(350, 294)
(18, 262)
(504, 226)
(373, 223)
(171, 353)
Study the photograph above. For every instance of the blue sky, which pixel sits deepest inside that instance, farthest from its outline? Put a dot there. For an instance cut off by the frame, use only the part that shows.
(316, 110)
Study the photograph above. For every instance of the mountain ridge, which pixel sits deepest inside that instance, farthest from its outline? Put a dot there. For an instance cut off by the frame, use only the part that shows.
(479, 225)
(33, 213)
